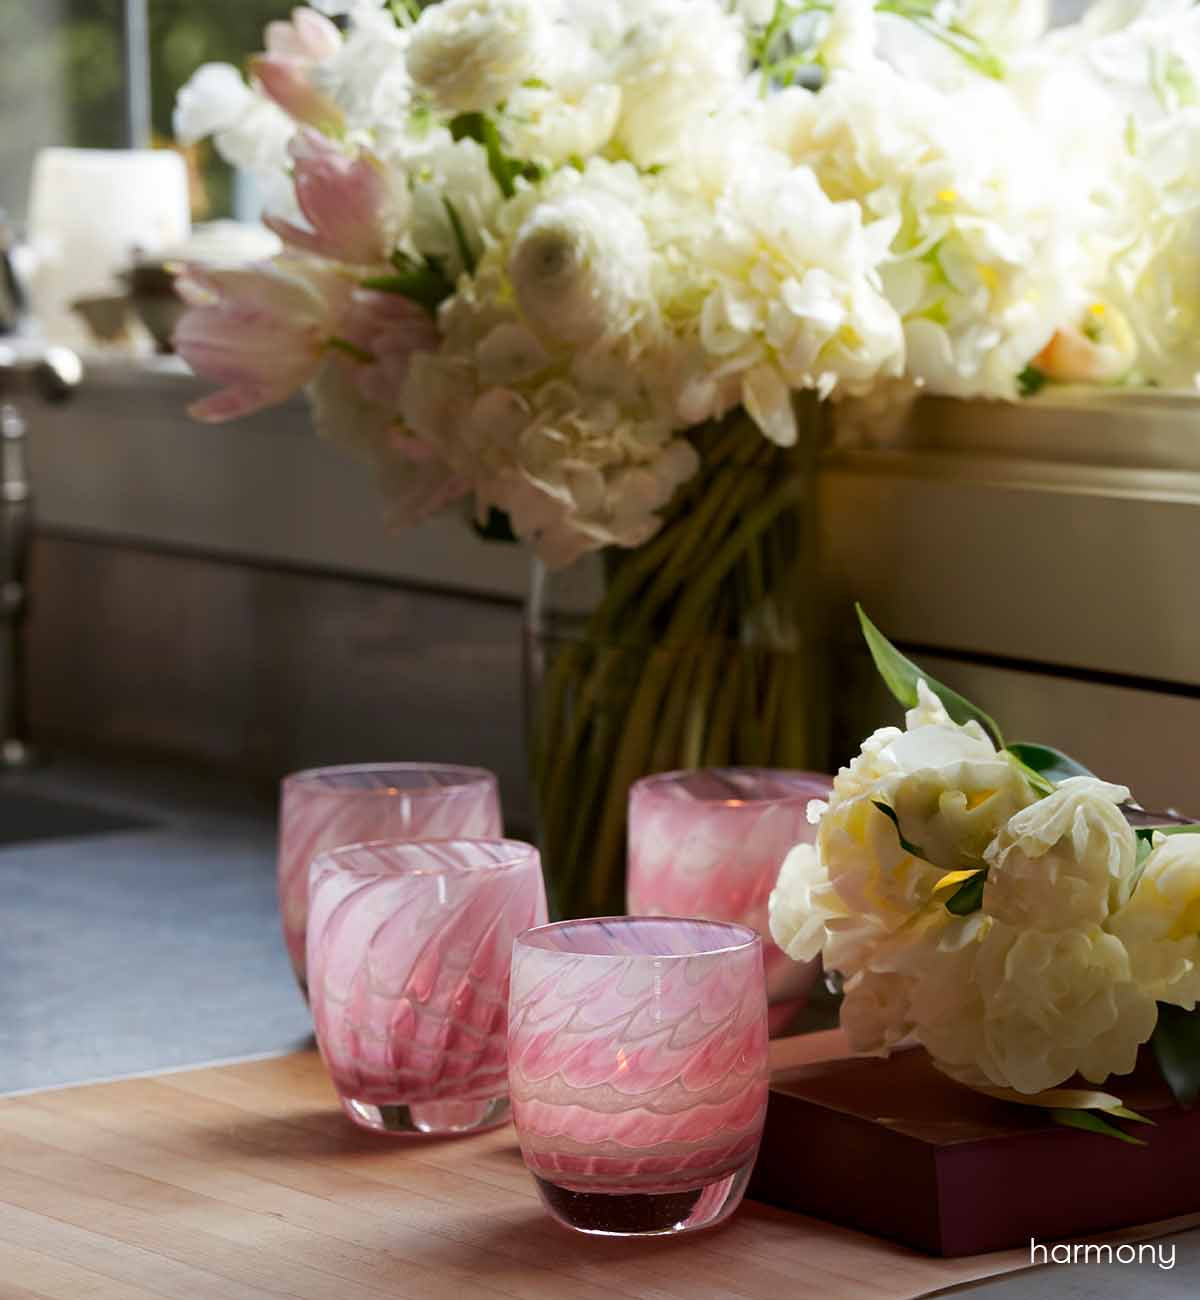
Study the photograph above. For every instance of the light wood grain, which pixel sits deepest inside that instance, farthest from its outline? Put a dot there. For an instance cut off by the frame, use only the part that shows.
(245, 1182)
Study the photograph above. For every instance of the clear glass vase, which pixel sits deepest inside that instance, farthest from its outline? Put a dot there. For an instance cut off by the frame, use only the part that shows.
(704, 647)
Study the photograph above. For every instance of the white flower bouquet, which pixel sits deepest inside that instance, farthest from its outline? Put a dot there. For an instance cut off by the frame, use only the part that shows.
(588, 265)
(995, 904)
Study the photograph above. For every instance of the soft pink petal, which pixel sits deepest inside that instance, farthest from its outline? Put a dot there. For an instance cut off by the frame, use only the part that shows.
(290, 84)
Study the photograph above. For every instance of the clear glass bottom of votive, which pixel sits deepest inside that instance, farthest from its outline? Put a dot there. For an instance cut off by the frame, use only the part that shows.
(645, 1214)
(428, 1118)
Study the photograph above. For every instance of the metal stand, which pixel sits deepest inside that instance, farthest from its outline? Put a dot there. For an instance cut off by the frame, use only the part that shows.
(54, 373)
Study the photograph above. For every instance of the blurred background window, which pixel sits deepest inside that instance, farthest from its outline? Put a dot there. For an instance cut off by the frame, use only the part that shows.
(63, 78)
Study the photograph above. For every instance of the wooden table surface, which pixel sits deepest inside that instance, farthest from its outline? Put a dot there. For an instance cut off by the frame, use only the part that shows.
(242, 1182)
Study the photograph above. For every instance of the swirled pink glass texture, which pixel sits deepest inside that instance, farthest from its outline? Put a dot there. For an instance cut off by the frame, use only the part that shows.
(637, 1057)
(327, 807)
(710, 842)
(409, 953)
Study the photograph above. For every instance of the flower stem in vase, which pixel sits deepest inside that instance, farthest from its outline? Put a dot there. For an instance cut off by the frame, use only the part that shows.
(683, 661)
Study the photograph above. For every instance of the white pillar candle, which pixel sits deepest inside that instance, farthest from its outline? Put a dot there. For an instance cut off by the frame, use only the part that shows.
(89, 210)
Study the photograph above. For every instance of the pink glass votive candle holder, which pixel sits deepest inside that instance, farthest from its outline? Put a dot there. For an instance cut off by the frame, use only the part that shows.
(710, 843)
(637, 1060)
(327, 807)
(409, 954)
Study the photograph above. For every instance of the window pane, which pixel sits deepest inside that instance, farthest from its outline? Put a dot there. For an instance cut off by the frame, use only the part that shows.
(183, 35)
(62, 77)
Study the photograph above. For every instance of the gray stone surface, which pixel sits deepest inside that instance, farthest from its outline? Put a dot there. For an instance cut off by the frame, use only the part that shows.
(141, 949)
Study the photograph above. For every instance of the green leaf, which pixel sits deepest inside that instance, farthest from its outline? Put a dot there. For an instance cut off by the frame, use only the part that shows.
(901, 675)
(1093, 1123)
(460, 237)
(1123, 1112)
(1050, 763)
(968, 897)
(1030, 381)
(425, 283)
(480, 128)
(1173, 829)
(1040, 784)
(890, 813)
(350, 349)
(1176, 1043)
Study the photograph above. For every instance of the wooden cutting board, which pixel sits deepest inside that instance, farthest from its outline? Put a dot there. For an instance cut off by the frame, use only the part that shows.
(243, 1182)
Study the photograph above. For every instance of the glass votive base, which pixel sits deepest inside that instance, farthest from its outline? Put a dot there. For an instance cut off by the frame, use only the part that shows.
(645, 1214)
(429, 1118)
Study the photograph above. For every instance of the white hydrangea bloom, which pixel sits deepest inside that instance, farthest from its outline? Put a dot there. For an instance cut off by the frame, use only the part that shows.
(792, 300)
(1064, 862)
(1160, 924)
(554, 392)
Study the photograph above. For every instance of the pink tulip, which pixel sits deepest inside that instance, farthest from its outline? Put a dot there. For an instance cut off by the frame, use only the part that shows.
(260, 331)
(348, 202)
(287, 71)
(309, 36)
(392, 329)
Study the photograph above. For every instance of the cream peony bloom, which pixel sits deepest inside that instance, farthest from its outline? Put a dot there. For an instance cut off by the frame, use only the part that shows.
(801, 904)
(1065, 862)
(950, 790)
(1160, 924)
(469, 55)
(1057, 1004)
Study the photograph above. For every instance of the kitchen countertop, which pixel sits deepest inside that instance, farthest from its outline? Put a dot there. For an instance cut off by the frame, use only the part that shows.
(151, 945)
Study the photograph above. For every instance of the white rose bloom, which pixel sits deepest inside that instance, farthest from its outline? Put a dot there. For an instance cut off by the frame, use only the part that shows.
(470, 55)
(1058, 1004)
(214, 98)
(368, 75)
(1160, 924)
(1064, 862)
(546, 127)
(678, 62)
(1004, 25)
(580, 264)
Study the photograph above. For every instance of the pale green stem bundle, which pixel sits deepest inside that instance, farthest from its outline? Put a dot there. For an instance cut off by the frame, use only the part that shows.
(700, 653)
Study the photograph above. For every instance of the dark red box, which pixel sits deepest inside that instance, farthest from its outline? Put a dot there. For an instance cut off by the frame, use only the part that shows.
(894, 1148)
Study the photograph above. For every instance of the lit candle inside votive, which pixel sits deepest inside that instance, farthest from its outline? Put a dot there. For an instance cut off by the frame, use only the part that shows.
(709, 844)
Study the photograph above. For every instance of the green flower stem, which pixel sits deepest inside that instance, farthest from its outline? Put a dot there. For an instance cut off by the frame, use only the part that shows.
(668, 744)
(709, 657)
(679, 664)
(717, 744)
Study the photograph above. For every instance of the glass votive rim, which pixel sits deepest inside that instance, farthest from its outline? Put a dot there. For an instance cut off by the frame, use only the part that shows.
(537, 937)
(808, 785)
(311, 778)
(340, 858)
